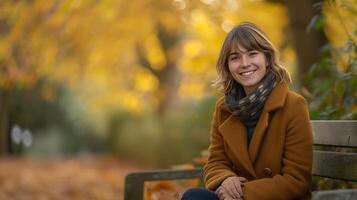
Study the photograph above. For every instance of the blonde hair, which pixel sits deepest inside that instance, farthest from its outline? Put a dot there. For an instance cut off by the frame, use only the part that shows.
(250, 37)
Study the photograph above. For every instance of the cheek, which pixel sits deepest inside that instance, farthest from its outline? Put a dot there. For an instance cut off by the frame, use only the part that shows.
(263, 72)
(266, 61)
(231, 68)
(265, 69)
(264, 64)
(232, 71)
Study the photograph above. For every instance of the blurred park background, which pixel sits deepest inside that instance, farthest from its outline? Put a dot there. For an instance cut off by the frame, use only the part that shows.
(95, 89)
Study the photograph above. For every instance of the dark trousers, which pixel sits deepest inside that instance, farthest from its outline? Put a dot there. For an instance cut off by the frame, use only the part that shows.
(199, 194)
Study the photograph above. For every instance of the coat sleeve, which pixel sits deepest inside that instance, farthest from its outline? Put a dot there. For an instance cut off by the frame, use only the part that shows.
(294, 180)
(218, 166)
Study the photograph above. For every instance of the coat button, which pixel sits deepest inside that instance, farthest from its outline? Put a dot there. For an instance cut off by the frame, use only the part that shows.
(267, 171)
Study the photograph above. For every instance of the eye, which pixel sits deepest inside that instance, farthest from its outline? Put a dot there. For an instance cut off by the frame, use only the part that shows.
(233, 57)
(253, 53)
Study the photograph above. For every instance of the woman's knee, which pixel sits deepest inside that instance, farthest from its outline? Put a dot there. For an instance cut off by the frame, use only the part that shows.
(199, 194)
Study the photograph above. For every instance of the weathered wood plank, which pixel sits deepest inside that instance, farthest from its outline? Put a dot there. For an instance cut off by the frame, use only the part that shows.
(134, 186)
(335, 165)
(341, 133)
(345, 194)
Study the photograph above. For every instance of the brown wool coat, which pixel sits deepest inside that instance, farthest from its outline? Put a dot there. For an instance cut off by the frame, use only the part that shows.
(277, 162)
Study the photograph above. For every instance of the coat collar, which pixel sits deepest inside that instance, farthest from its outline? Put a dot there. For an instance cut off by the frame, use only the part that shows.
(277, 97)
(234, 130)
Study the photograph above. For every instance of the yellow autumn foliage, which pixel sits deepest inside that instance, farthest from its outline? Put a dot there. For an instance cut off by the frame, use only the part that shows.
(91, 47)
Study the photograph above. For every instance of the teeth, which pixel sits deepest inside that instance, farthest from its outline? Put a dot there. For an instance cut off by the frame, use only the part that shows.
(247, 73)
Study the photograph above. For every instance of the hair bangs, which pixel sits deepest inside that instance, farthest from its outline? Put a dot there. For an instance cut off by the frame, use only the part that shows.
(245, 39)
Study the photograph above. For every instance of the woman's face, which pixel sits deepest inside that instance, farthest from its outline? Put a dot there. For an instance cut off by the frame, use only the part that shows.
(247, 67)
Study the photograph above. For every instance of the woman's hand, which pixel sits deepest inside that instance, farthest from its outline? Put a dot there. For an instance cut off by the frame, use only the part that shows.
(223, 194)
(231, 188)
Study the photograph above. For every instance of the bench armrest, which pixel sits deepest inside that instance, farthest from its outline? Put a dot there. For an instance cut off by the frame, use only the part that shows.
(134, 182)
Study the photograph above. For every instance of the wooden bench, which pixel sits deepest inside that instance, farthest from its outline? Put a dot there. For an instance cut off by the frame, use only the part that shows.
(326, 163)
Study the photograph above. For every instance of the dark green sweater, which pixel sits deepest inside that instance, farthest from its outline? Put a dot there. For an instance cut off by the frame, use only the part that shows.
(250, 131)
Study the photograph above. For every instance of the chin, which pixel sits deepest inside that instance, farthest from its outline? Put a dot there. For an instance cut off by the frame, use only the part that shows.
(248, 84)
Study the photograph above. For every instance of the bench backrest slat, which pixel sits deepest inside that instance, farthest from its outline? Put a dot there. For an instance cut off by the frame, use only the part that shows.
(340, 133)
(337, 165)
(168, 175)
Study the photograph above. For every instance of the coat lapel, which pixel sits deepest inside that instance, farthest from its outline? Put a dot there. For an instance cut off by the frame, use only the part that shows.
(235, 134)
(275, 100)
(258, 135)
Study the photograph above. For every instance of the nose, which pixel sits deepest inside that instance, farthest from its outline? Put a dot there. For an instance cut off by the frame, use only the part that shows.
(245, 61)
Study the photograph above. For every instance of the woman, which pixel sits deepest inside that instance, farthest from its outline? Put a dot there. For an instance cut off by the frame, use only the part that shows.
(261, 137)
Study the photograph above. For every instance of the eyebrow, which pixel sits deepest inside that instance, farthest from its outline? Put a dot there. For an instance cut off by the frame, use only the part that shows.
(239, 52)
(236, 53)
(233, 53)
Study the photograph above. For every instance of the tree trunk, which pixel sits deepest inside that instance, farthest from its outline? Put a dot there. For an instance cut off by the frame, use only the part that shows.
(4, 140)
(169, 76)
(169, 85)
(307, 44)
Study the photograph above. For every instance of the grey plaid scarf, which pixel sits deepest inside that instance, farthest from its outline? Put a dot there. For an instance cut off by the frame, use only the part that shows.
(248, 108)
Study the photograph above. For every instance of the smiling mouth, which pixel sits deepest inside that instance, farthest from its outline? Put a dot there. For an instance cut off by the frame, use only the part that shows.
(247, 73)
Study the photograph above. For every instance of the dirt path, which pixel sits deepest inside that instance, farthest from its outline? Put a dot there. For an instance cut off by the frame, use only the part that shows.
(100, 177)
